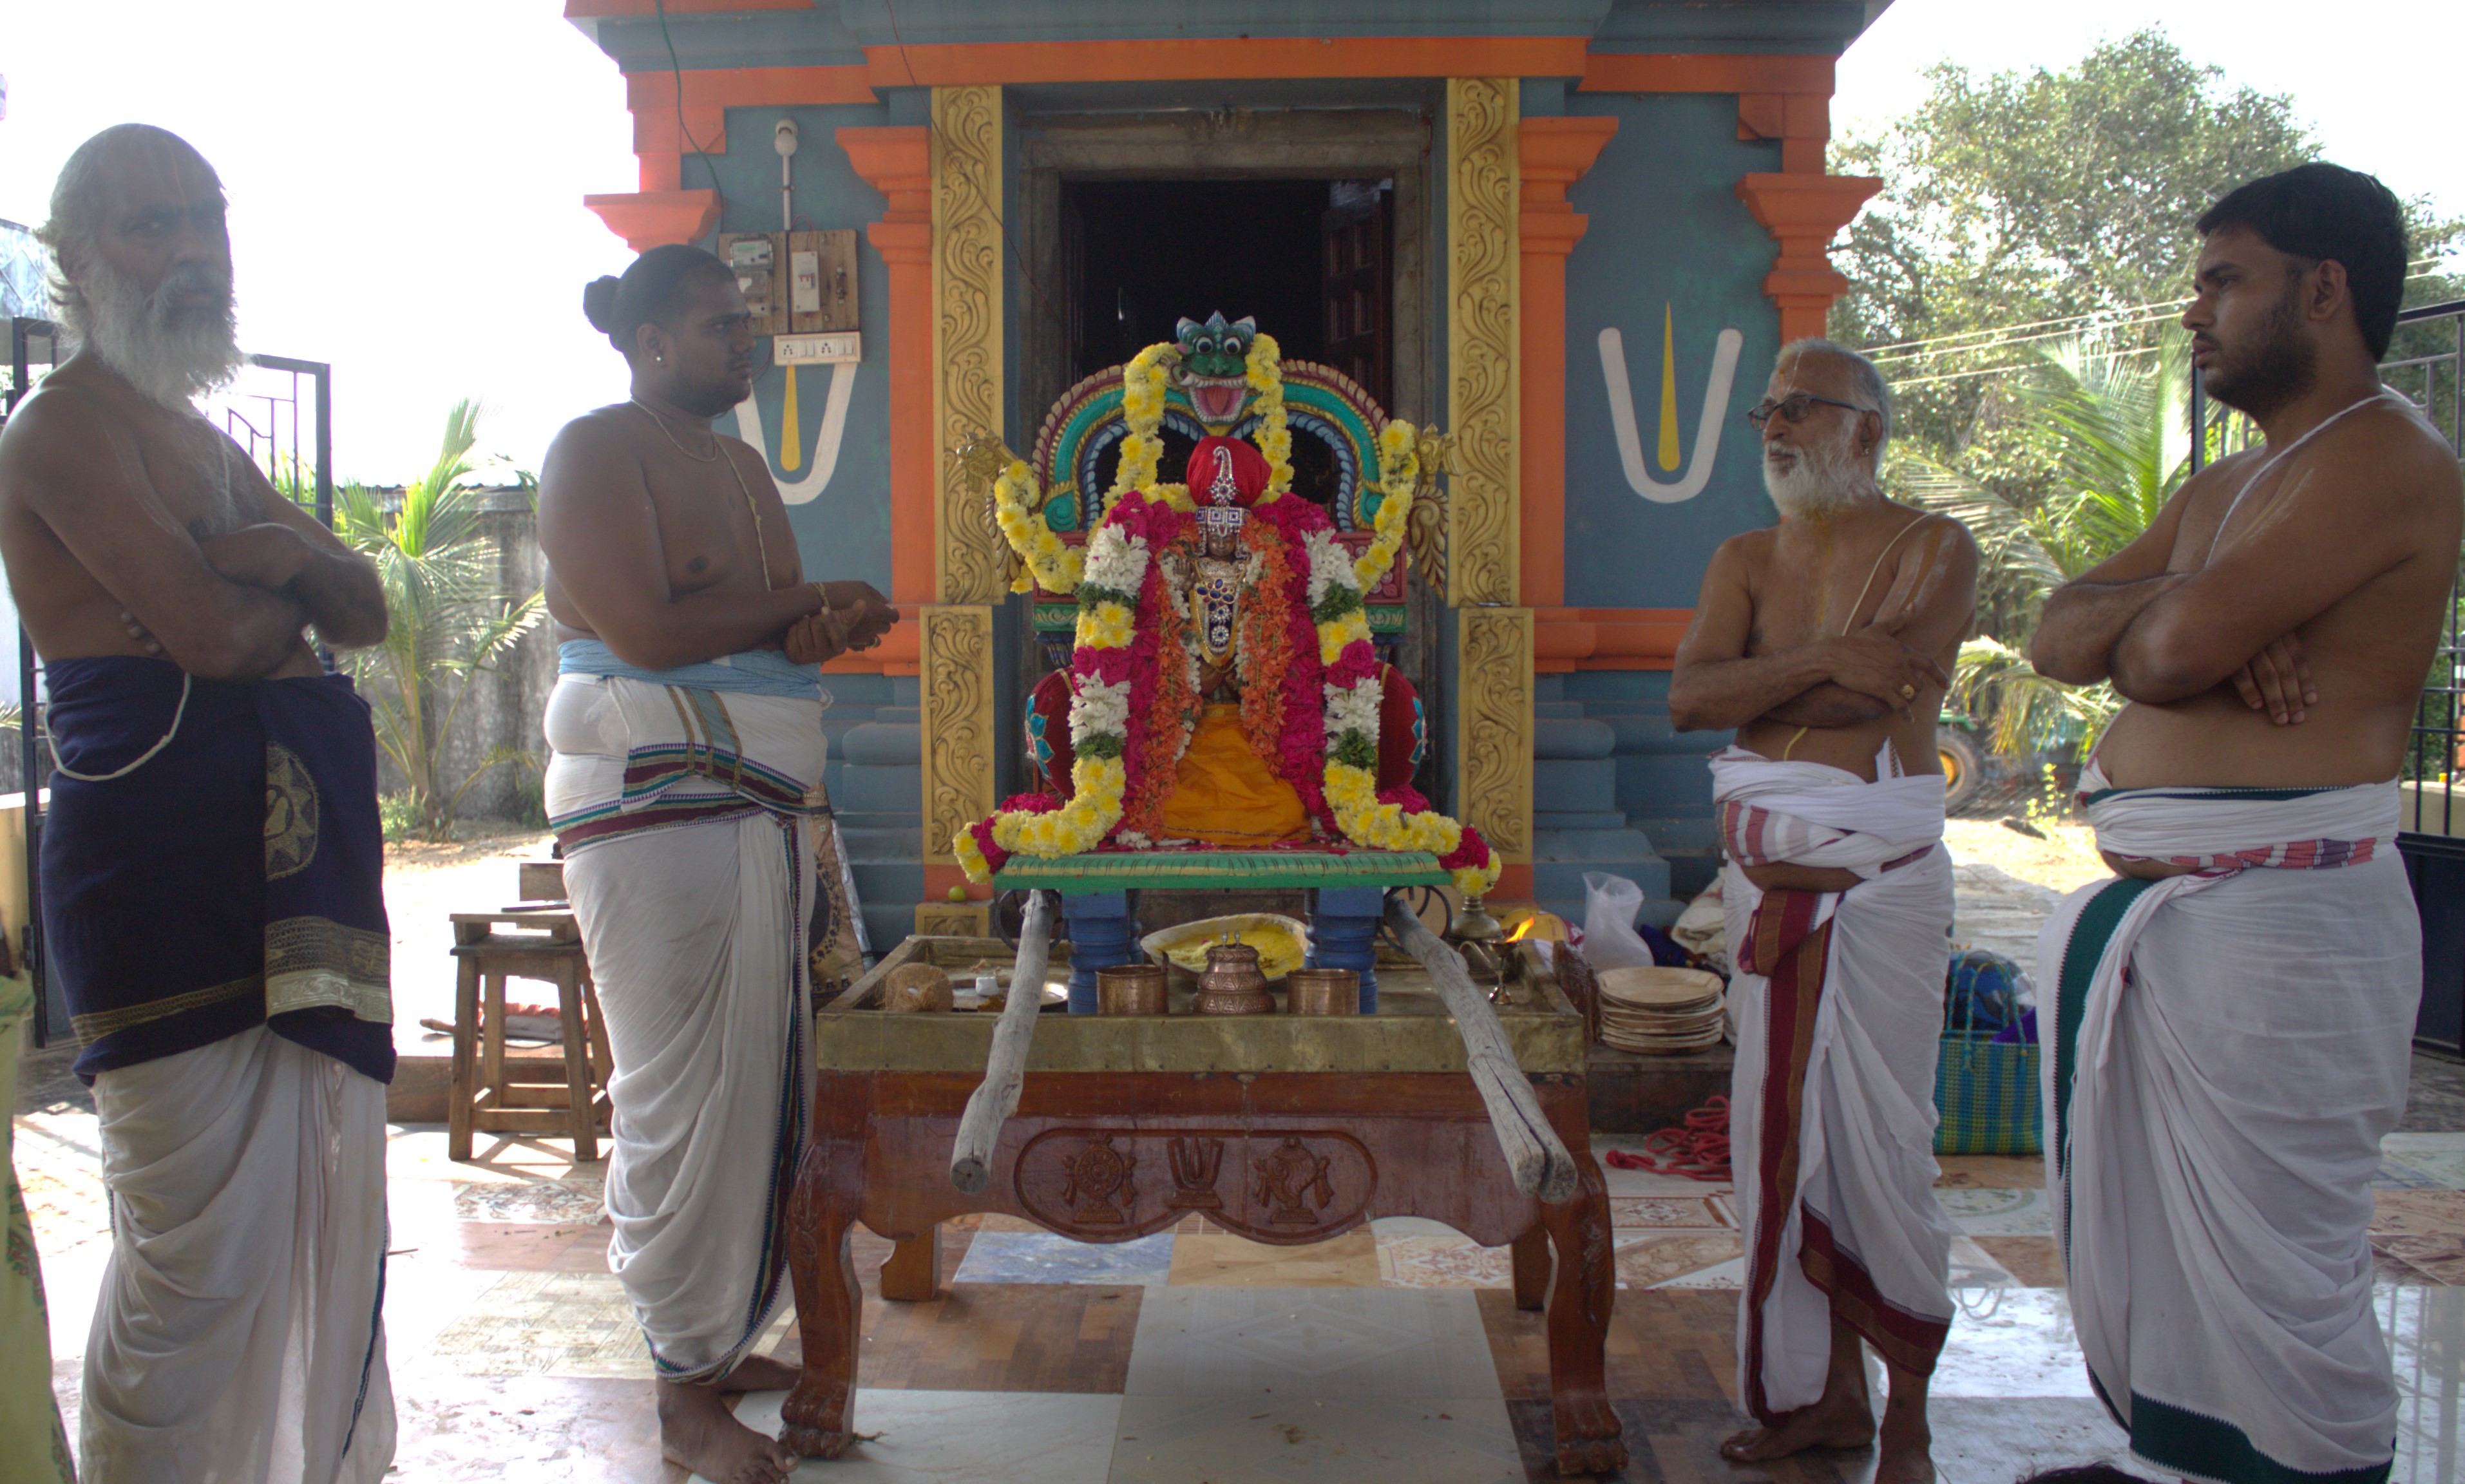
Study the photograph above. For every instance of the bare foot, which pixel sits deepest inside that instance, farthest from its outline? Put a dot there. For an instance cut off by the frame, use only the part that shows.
(698, 1432)
(1906, 1456)
(759, 1373)
(1847, 1424)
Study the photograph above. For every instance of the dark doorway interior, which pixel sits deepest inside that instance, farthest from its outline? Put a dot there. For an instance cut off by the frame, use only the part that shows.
(1311, 260)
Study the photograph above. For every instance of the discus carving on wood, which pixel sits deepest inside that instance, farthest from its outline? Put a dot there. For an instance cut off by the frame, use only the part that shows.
(1099, 1175)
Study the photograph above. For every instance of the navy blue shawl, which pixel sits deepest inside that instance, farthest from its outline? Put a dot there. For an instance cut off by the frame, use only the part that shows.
(233, 880)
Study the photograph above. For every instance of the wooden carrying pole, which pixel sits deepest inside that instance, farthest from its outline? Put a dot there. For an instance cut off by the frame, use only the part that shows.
(996, 1097)
(1533, 1149)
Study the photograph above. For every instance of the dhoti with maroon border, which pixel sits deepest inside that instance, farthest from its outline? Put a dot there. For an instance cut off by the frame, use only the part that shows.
(1839, 1001)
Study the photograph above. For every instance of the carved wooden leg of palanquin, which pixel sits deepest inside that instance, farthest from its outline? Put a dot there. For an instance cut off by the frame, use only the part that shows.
(829, 1304)
(1530, 1257)
(1588, 1434)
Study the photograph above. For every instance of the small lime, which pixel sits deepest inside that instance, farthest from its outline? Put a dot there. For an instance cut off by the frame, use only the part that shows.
(958, 893)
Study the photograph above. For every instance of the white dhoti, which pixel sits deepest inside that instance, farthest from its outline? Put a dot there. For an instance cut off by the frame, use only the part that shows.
(1838, 998)
(689, 868)
(2230, 1045)
(238, 1339)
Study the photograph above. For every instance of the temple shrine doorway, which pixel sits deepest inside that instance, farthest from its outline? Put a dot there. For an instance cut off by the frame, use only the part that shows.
(1316, 221)
(1308, 259)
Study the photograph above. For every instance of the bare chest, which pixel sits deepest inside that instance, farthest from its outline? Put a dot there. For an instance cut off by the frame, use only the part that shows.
(713, 531)
(1800, 597)
(203, 482)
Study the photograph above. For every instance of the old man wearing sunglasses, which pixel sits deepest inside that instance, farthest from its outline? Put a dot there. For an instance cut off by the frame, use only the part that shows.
(1824, 640)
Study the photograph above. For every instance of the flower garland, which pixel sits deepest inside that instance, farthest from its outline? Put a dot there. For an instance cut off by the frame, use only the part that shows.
(1166, 717)
(1144, 388)
(1265, 369)
(1049, 563)
(1399, 473)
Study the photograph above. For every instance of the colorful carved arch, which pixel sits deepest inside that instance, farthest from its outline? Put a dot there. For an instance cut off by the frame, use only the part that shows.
(1319, 401)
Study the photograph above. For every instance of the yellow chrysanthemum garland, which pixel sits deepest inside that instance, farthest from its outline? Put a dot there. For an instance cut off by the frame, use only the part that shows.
(1050, 561)
(1144, 384)
(1399, 473)
(1265, 369)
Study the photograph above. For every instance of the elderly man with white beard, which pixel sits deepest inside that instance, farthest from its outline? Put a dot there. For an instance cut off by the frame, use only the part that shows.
(212, 860)
(1823, 640)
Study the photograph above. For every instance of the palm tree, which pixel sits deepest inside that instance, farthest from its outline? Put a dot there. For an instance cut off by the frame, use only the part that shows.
(2121, 446)
(447, 622)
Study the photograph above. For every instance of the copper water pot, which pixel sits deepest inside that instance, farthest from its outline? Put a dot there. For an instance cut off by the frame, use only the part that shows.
(1322, 991)
(1130, 989)
(1232, 984)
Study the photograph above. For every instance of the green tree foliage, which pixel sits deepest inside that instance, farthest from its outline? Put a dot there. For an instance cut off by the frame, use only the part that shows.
(2117, 424)
(2055, 204)
(2019, 279)
(447, 618)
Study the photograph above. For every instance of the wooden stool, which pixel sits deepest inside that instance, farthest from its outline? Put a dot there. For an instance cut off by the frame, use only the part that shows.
(546, 945)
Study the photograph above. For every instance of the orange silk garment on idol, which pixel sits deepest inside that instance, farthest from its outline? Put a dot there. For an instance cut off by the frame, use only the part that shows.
(1224, 794)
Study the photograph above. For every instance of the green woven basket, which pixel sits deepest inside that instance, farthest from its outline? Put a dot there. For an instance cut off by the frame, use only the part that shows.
(1989, 1096)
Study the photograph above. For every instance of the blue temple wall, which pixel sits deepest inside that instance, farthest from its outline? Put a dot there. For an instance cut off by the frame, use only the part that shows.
(1668, 234)
(843, 531)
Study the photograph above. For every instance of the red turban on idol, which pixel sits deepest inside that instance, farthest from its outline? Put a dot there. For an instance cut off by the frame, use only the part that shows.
(1226, 471)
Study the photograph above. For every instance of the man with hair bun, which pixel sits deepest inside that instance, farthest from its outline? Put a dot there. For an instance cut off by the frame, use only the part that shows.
(212, 872)
(686, 736)
(1823, 640)
(2230, 1020)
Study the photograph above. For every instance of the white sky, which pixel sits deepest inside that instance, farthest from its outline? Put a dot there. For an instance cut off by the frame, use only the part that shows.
(406, 183)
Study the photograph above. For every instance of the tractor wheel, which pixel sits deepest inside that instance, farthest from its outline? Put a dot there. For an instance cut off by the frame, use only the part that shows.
(1963, 769)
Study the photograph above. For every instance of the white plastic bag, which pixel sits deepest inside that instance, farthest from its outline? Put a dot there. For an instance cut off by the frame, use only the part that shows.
(1611, 904)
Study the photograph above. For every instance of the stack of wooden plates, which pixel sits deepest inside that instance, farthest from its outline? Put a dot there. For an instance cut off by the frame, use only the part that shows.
(1660, 1011)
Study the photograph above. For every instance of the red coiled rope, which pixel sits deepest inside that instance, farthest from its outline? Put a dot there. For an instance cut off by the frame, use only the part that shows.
(1698, 1148)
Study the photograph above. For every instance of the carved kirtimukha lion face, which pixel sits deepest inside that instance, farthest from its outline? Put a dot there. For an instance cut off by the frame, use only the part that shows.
(1215, 366)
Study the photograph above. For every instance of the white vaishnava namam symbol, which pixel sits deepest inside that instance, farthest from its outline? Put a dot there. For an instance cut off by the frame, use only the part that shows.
(826, 451)
(1707, 433)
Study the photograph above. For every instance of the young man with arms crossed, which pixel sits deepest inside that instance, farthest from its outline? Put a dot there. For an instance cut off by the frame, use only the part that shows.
(2230, 1021)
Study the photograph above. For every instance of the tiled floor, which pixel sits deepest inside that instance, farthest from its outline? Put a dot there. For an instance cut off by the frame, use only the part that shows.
(1392, 1353)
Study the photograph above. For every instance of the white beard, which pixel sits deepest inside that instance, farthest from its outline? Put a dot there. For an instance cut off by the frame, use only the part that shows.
(1818, 481)
(170, 355)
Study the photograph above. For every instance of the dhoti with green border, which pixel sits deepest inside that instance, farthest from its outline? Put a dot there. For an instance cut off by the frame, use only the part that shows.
(2230, 1045)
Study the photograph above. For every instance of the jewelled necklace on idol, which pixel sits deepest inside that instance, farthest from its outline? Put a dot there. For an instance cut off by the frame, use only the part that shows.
(1218, 592)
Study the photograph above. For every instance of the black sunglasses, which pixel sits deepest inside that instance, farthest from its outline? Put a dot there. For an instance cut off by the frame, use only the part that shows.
(1794, 408)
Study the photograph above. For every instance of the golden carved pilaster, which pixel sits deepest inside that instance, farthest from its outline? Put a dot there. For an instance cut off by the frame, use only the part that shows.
(1494, 725)
(1482, 334)
(958, 711)
(969, 564)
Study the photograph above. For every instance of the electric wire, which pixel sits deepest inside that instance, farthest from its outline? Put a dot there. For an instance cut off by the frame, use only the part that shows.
(677, 73)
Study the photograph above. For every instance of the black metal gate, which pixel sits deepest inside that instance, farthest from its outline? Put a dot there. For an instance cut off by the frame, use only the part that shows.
(263, 410)
(2427, 364)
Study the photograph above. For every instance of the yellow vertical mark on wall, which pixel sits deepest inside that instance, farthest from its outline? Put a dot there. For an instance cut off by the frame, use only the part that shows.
(1668, 389)
(792, 430)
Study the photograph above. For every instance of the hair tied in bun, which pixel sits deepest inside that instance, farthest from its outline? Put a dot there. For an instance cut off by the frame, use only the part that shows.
(599, 304)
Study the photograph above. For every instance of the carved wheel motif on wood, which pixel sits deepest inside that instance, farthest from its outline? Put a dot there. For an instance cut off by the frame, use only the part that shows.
(1098, 1174)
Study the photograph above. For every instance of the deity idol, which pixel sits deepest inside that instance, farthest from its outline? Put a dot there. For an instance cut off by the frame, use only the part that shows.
(1221, 689)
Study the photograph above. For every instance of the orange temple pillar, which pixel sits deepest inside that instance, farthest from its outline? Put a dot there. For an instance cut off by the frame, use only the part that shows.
(1554, 155)
(898, 163)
